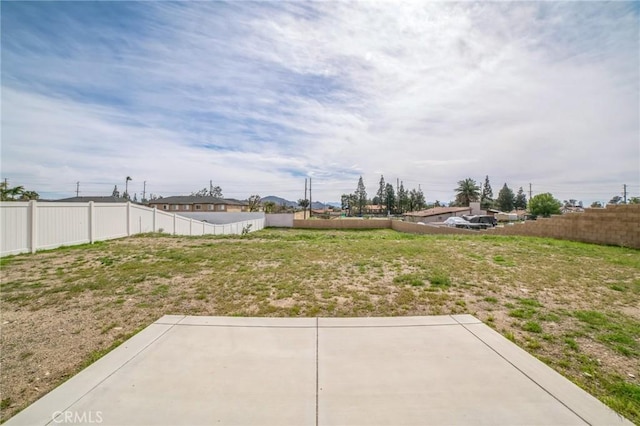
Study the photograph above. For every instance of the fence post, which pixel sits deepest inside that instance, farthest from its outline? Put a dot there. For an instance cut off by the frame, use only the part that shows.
(91, 223)
(33, 210)
(128, 218)
(155, 211)
(174, 224)
(190, 227)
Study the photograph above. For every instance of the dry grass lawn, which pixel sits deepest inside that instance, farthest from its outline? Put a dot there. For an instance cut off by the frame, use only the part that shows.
(575, 306)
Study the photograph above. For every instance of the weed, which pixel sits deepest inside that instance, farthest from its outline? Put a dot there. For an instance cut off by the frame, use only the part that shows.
(409, 279)
(532, 327)
(5, 403)
(491, 299)
(440, 278)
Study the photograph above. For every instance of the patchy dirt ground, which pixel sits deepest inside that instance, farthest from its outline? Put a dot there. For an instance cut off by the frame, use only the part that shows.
(575, 306)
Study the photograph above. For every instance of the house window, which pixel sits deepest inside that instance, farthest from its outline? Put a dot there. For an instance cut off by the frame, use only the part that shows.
(165, 207)
(176, 207)
(222, 207)
(210, 206)
(186, 207)
(198, 207)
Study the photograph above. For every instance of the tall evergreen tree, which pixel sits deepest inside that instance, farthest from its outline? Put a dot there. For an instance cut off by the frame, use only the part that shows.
(416, 200)
(521, 200)
(403, 199)
(505, 199)
(390, 198)
(115, 192)
(382, 190)
(486, 198)
(361, 194)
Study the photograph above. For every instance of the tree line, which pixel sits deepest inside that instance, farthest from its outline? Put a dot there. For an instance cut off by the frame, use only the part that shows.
(469, 191)
(387, 198)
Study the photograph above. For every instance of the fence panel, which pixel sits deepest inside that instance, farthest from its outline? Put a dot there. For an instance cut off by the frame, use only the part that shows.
(183, 226)
(110, 221)
(15, 228)
(61, 224)
(164, 222)
(140, 220)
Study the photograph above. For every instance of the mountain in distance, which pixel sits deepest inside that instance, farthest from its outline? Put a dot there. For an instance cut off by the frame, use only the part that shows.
(281, 201)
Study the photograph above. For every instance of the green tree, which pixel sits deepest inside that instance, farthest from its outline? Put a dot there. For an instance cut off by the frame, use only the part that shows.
(505, 199)
(634, 200)
(382, 192)
(403, 199)
(390, 197)
(216, 192)
(269, 206)
(616, 200)
(521, 200)
(303, 203)
(344, 201)
(486, 198)
(416, 200)
(115, 192)
(544, 205)
(202, 193)
(254, 203)
(596, 204)
(361, 194)
(29, 195)
(467, 192)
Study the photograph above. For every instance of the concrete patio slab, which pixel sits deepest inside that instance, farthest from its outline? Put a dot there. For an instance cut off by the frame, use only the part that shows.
(442, 370)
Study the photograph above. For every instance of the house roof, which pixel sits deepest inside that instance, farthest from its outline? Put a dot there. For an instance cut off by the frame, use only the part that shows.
(109, 199)
(438, 211)
(194, 199)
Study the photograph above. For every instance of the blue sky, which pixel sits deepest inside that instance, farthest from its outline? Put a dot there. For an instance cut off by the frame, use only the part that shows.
(256, 96)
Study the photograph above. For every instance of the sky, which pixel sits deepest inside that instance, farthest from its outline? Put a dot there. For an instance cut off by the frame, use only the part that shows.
(257, 96)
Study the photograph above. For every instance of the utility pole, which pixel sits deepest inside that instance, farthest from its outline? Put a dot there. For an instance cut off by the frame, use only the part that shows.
(624, 192)
(305, 198)
(210, 187)
(310, 202)
(77, 188)
(144, 191)
(529, 191)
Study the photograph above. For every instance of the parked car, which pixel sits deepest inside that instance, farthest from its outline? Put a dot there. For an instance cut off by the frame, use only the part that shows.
(481, 218)
(458, 222)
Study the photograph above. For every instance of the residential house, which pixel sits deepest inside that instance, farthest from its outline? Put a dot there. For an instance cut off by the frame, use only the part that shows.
(436, 214)
(108, 199)
(194, 203)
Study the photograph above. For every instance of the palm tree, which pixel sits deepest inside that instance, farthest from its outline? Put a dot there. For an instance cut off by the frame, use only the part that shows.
(29, 195)
(14, 192)
(126, 187)
(467, 192)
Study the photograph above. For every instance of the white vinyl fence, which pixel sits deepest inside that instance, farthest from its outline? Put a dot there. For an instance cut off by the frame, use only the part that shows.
(30, 226)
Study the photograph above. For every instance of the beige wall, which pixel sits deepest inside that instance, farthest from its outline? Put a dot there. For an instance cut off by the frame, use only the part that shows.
(414, 228)
(615, 225)
(342, 223)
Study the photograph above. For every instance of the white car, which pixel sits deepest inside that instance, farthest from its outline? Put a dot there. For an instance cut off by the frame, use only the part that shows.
(458, 222)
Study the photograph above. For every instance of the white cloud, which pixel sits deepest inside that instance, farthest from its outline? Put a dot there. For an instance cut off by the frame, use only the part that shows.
(253, 94)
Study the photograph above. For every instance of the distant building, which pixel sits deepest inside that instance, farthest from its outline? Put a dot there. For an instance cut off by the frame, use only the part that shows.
(194, 203)
(108, 199)
(436, 214)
